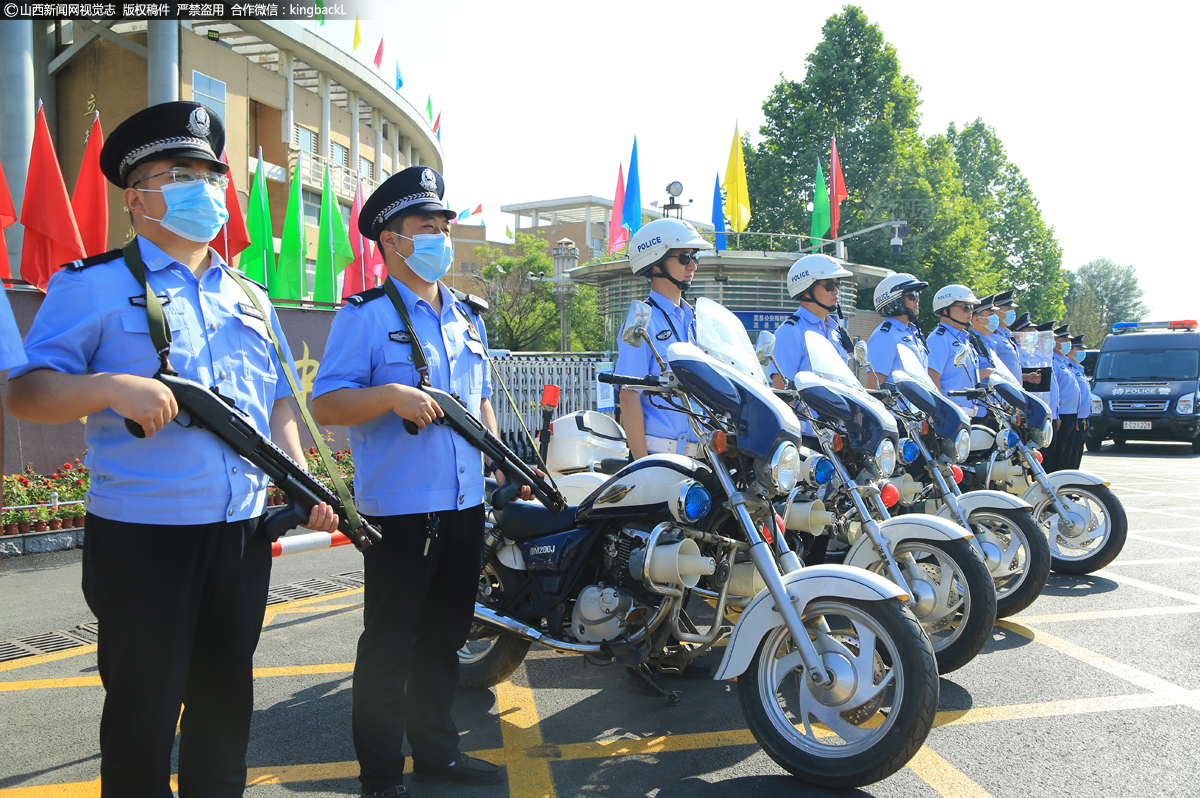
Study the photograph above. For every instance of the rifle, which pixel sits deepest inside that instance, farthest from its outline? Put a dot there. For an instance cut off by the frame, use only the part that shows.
(217, 414)
(455, 413)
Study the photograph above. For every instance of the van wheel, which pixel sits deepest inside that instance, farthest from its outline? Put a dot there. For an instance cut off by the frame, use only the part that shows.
(1196, 446)
(1094, 443)
(1119, 441)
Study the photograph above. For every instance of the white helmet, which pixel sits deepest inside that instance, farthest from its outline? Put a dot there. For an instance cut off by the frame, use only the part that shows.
(657, 238)
(811, 268)
(889, 294)
(945, 297)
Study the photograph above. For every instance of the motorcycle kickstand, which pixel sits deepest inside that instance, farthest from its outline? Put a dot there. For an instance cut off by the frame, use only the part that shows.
(642, 679)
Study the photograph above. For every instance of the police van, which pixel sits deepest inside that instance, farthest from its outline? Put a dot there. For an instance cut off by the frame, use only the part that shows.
(1145, 384)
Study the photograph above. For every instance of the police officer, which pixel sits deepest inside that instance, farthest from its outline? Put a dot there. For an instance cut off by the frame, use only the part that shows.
(664, 250)
(423, 490)
(1085, 401)
(955, 305)
(814, 280)
(175, 561)
(1000, 340)
(1059, 455)
(12, 354)
(983, 323)
(898, 301)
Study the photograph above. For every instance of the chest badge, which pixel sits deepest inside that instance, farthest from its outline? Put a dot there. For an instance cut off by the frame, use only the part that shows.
(250, 310)
(139, 301)
(906, 338)
(665, 335)
(400, 337)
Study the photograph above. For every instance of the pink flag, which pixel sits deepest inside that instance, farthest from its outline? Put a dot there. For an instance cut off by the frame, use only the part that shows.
(837, 190)
(478, 209)
(357, 277)
(618, 236)
(379, 55)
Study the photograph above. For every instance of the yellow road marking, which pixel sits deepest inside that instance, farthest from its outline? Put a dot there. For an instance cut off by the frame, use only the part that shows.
(26, 662)
(291, 606)
(528, 777)
(944, 777)
(1052, 709)
(284, 609)
(46, 684)
(1100, 615)
(77, 789)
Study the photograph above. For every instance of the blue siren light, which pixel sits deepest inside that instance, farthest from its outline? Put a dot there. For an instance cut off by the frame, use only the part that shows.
(697, 502)
(1013, 439)
(909, 451)
(822, 471)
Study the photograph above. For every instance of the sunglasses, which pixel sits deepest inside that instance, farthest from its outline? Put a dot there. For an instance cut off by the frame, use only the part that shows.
(913, 295)
(687, 257)
(967, 308)
(829, 285)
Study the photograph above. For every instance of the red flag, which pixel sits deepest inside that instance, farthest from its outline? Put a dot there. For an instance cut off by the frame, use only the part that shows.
(837, 191)
(51, 235)
(478, 209)
(356, 276)
(617, 235)
(234, 237)
(8, 215)
(379, 55)
(90, 200)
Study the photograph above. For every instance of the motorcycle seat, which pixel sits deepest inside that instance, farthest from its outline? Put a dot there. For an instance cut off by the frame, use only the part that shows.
(520, 520)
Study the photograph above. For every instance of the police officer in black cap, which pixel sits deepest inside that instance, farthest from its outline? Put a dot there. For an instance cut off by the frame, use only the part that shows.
(176, 563)
(423, 490)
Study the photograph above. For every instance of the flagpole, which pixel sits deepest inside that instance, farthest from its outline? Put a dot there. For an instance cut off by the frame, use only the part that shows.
(362, 250)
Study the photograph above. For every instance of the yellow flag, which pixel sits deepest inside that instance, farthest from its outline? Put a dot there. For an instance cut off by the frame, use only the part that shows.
(357, 34)
(737, 196)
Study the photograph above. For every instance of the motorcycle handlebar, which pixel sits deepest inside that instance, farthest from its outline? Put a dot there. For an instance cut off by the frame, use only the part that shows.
(970, 393)
(620, 379)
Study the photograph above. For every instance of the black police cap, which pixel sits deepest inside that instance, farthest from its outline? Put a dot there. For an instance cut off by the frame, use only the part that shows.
(1063, 331)
(1077, 340)
(1004, 299)
(417, 189)
(1023, 321)
(987, 303)
(162, 132)
(1047, 327)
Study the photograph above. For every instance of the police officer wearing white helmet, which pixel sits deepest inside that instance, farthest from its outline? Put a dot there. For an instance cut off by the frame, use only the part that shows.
(665, 251)
(955, 305)
(814, 281)
(897, 300)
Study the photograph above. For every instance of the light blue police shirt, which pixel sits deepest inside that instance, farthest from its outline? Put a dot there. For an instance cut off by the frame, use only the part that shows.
(791, 353)
(1050, 397)
(397, 473)
(669, 323)
(944, 345)
(1002, 344)
(93, 320)
(888, 337)
(1068, 388)
(1085, 389)
(12, 352)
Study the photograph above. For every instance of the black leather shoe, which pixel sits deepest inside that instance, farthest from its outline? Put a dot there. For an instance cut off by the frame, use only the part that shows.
(464, 770)
(389, 792)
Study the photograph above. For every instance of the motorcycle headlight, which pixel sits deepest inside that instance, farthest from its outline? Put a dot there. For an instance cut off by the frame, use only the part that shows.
(909, 451)
(692, 503)
(784, 467)
(962, 445)
(1047, 432)
(885, 457)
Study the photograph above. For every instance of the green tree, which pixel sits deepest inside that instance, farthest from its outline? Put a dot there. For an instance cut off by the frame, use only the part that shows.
(1102, 293)
(1020, 249)
(587, 325)
(1084, 313)
(523, 315)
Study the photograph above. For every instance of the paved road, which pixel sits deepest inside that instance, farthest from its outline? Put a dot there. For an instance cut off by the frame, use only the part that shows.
(1092, 691)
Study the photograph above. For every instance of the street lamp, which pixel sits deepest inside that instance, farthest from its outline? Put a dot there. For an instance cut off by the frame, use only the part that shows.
(566, 258)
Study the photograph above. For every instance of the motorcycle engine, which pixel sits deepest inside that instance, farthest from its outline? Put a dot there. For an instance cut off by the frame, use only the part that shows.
(599, 614)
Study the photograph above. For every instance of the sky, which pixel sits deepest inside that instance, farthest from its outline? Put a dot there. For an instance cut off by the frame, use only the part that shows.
(541, 100)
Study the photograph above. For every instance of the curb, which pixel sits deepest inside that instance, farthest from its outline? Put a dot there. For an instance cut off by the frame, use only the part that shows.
(40, 542)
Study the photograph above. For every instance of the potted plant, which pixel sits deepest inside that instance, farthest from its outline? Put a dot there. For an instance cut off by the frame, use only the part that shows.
(38, 517)
(21, 519)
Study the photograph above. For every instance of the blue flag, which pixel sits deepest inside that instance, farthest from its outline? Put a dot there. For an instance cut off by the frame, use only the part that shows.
(631, 211)
(399, 80)
(718, 215)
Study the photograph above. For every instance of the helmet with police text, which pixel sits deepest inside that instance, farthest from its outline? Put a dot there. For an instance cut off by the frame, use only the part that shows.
(945, 297)
(889, 294)
(809, 270)
(659, 237)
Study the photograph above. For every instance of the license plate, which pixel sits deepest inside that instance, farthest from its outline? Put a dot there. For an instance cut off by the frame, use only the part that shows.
(1137, 425)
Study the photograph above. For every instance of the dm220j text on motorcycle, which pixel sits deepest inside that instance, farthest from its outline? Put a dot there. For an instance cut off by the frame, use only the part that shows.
(836, 679)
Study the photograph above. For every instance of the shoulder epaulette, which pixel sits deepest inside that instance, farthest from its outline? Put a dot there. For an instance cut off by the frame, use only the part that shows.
(792, 319)
(477, 304)
(887, 325)
(939, 331)
(103, 257)
(365, 296)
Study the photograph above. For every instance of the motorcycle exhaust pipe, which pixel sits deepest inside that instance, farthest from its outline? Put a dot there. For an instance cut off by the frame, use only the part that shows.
(908, 488)
(808, 517)
(674, 563)
(502, 623)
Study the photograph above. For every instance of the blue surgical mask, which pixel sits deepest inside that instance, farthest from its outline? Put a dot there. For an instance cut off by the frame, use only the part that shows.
(1009, 317)
(432, 256)
(195, 211)
(993, 323)
(1065, 347)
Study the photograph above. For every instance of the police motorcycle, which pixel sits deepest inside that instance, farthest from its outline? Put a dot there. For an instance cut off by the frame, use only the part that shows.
(1084, 521)
(950, 590)
(836, 679)
(939, 436)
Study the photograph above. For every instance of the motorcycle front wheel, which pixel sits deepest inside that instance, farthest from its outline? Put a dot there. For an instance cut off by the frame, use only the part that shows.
(489, 657)
(954, 594)
(1098, 532)
(870, 719)
(1018, 547)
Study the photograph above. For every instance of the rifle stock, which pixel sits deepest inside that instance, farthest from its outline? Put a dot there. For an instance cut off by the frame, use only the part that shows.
(212, 412)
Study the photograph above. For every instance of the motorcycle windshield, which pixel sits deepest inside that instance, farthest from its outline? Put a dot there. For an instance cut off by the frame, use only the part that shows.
(721, 335)
(915, 384)
(869, 420)
(1009, 387)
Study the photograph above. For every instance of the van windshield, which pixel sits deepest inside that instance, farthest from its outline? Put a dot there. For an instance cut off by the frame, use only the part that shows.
(1149, 364)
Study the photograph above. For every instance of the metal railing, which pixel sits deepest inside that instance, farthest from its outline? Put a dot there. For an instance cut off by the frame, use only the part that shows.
(341, 178)
(525, 374)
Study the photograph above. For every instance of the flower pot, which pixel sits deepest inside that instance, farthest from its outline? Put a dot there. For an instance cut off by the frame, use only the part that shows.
(10, 529)
(77, 522)
(23, 528)
(39, 526)
(55, 524)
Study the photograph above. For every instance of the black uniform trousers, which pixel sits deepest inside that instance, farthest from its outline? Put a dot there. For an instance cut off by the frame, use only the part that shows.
(180, 609)
(1058, 454)
(1077, 448)
(418, 610)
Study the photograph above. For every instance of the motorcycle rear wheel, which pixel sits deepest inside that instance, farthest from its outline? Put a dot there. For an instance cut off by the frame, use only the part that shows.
(1024, 566)
(488, 657)
(873, 718)
(1106, 527)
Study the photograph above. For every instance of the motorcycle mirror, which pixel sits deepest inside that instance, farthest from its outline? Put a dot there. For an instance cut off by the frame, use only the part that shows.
(636, 322)
(860, 353)
(961, 357)
(764, 347)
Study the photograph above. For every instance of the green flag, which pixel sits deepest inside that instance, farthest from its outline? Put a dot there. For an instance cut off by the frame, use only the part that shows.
(429, 107)
(258, 260)
(820, 209)
(294, 246)
(333, 246)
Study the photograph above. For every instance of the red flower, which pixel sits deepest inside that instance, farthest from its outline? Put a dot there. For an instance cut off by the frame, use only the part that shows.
(23, 480)
(77, 461)
(79, 482)
(55, 475)
(66, 467)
